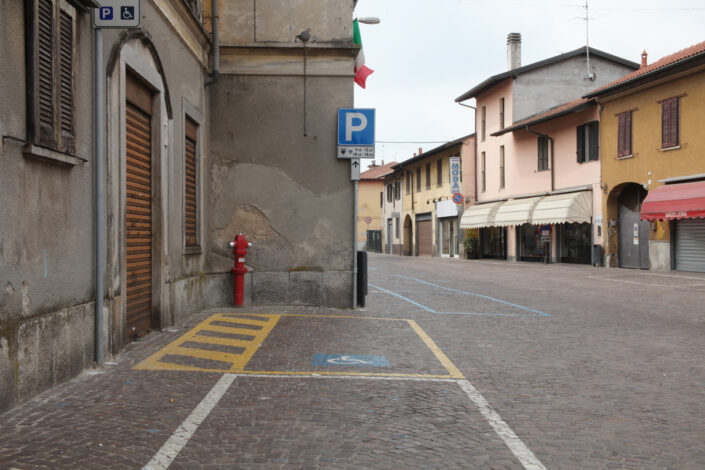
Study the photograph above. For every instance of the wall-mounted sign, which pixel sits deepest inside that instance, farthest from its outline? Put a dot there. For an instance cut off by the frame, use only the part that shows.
(455, 175)
(122, 14)
(356, 133)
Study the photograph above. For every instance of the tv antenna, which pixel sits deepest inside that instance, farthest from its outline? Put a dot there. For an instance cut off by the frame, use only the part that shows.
(590, 74)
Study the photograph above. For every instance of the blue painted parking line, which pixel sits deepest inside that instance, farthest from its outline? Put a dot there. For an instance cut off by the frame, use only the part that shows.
(532, 312)
(358, 360)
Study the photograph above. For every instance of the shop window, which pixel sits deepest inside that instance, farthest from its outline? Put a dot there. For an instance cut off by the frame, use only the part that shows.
(588, 142)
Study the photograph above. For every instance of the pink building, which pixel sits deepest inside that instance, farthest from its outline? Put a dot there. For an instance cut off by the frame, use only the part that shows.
(538, 170)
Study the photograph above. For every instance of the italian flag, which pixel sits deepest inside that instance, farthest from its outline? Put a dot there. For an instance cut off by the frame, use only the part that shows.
(361, 70)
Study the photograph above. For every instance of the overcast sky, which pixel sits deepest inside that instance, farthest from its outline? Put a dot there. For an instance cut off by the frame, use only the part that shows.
(427, 53)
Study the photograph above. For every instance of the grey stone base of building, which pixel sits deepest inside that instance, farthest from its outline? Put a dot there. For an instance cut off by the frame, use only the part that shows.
(317, 288)
(40, 352)
(660, 255)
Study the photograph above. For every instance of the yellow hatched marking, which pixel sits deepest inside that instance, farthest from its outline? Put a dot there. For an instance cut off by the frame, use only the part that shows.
(238, 361)
(450, 367)
(243, 321)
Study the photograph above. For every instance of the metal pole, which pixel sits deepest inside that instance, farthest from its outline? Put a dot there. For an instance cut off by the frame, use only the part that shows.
(354, 291)
(99, 196)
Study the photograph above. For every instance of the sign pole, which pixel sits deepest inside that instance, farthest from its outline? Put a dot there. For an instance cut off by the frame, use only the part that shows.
(354, 291)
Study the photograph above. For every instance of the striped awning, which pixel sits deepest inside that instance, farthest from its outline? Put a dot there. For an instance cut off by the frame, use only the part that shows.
(516, 212)
(564, 209)
(480, 215)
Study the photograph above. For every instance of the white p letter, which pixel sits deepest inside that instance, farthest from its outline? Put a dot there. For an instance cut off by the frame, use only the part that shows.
(349, 128)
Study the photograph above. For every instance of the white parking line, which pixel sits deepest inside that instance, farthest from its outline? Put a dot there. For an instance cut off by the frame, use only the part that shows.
(171, 448)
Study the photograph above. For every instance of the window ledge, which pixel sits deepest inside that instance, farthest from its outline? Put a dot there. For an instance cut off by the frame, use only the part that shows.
(668, 149)
(192, 250)
(625, 157)
(51, 156)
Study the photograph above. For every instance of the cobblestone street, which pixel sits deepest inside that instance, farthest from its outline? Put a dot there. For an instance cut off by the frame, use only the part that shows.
(452, 364)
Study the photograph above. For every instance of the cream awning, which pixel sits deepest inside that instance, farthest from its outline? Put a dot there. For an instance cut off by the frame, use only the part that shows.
(564, 208)
(480, 215)
(516, 211)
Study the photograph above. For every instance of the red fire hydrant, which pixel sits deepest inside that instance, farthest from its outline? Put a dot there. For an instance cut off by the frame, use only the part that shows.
(239, 246)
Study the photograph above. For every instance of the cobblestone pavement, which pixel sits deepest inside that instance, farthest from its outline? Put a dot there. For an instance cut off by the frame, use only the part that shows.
(483, 365)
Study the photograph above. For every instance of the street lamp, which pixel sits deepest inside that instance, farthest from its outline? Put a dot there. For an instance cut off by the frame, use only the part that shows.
(368, 20)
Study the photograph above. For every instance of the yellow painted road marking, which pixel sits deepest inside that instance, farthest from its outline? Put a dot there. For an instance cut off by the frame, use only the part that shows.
(158, 361)
(450, 367)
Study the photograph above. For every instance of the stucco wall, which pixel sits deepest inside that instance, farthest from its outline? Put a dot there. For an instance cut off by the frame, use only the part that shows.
(368, 205)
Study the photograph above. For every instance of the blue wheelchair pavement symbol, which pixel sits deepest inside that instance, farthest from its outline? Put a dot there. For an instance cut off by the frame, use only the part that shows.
(127, 13)
(356, 126)
(349, 360)
(106, 13)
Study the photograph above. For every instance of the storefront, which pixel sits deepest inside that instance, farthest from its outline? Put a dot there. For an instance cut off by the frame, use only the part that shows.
(570, 217)
(448, 239)
(684, 205)
(485, 239)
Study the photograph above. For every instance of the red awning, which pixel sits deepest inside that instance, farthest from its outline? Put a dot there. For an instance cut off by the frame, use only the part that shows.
(675, 201)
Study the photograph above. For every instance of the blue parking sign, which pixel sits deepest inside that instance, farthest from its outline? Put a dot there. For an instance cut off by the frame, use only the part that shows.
(356, 126)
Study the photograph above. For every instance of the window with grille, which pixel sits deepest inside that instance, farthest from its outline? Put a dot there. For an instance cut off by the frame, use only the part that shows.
(588, 140)
(191, 184)
(51, 42)
(670, 125)
(624, 134)
(542, 153)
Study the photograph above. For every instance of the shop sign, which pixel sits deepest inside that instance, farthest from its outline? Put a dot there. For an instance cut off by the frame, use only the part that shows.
(676, 214)
(455, 175)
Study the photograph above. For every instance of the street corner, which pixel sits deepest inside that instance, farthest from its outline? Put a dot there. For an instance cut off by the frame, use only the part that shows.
(301, 344)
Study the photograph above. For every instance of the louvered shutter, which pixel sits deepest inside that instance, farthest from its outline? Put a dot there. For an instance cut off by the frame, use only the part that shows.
(580, 138)
(628, 133)
(190, 194)
(669, 123)
(66, 88)
(594, 141)
(44, 97)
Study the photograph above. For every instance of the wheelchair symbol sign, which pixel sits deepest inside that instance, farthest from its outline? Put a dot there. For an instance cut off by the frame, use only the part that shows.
(349, 360)
(117, 14)
(127, 13)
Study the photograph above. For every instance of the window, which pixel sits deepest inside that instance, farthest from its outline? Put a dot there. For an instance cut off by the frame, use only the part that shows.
(588, 142)
(624, 134)
(439, 173)
(501, 167)
(381, 199)
(408, 182)
(50, 72)
(191, 184)
(543, 153)
(484, 174)
(390, 195)
(397, 190)
(418, 179)
(670, 125)
(484, 123)
(501, 113)
(396, 226)
(428, 176)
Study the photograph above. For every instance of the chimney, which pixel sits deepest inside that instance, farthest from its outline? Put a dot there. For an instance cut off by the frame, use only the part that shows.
(420, 150)
(513, 51)
(644, 57)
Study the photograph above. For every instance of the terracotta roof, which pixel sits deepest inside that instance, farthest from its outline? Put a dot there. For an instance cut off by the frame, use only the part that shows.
(495, 79)
(661, 64)
(434, 151)
(573, 106)
(378, 172)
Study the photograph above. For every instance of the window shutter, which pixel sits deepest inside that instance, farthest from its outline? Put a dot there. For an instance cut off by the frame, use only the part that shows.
(580, 139)
(66, 44)
(190, 196)
(628, 133)
(594, 141)
(671, 110)
(45, 74)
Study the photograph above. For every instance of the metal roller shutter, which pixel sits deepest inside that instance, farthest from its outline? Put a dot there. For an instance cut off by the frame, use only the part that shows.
(138, 220)
(690, 245)
(425, 238)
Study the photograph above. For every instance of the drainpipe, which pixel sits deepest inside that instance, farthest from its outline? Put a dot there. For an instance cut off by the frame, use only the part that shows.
(215, 45)
(553, 174)
(99, 195)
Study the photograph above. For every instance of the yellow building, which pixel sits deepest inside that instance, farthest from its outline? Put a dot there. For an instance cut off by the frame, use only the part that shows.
(653, 165)
(430, 217)
(370, 199)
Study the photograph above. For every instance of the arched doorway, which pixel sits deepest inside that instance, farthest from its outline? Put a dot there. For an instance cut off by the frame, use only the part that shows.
(408, 236)
(629, 233)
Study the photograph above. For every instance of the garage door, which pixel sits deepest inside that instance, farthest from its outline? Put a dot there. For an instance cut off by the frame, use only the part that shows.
(690, 245)
(425, 238)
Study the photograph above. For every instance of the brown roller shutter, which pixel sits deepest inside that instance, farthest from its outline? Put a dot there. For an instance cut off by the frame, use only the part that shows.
(425, 238)
(190, 201)
(138, 216)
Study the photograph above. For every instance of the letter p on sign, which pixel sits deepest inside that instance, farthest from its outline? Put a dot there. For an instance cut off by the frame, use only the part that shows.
(356, 126)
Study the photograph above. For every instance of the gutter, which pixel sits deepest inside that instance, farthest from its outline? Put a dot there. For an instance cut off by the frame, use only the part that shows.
(215, 46)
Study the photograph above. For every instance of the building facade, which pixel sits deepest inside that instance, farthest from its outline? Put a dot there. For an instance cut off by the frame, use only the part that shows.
(371, 196)
(185, 169)
(392, 210)
(430, 216)
(538, 171)
(653, 167)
